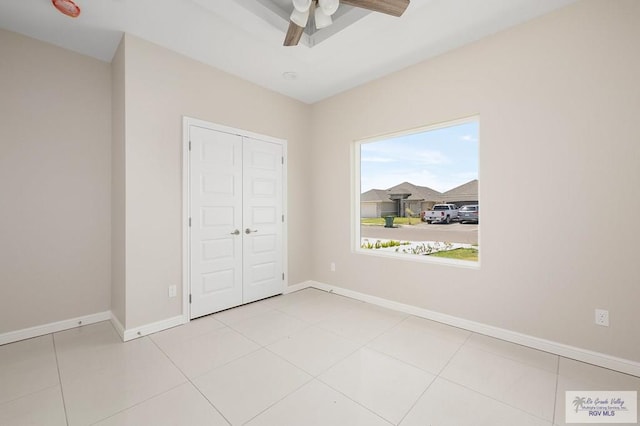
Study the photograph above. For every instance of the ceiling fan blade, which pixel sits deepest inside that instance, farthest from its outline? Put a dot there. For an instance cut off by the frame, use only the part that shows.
(294, 33)
(390, 7)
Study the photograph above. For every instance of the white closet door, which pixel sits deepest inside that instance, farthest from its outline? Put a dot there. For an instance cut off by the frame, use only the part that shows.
(216, 221)
(263, 222)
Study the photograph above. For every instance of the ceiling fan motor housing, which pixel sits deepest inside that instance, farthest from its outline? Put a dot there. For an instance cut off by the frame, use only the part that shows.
(323, 9)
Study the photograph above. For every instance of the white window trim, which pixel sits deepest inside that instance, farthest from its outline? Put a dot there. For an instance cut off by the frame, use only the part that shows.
(356, 189)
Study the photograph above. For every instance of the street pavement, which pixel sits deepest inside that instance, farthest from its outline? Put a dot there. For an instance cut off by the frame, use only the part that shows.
(466, 233)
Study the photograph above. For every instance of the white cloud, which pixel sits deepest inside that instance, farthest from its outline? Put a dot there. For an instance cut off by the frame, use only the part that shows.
(440, 164)
(377, 160)
(383, 153)
(428, 157)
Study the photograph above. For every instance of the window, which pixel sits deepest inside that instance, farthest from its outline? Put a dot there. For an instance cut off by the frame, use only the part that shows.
(417, 194)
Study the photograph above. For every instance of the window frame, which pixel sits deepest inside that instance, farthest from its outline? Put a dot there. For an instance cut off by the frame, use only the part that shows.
(356, 189)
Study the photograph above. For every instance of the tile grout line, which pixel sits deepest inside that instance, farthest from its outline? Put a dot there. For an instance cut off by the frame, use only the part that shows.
(499, 401)
(30, 393)
(509, 358)
(352, 400)
(485, 395)
(481, 393)
(260, 346)
(136, 404)
(358, 347)
(265, 347)
(190, 381)
(225, 326)
(444, 367)
(304, 327)
(436, 377)
(145, 400)
(200, 334)
(417, 399)
(187, 380)
(64, 403)
(281, 399)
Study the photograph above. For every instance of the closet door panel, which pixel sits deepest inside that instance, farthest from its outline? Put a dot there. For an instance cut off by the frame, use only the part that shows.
(216, 213)
(263, 222)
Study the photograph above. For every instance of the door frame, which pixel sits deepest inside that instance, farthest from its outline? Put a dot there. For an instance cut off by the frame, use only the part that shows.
(186, 198)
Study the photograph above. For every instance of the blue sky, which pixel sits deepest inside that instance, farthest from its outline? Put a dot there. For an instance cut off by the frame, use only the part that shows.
(440, 159)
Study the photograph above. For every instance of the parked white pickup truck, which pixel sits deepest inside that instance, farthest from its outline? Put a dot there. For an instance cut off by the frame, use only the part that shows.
(440, 213)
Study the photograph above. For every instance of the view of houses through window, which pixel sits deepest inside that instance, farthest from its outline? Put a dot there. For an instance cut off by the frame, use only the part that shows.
(418, 193)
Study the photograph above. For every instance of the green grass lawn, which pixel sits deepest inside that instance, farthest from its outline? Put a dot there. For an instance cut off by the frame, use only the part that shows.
(396, 221)
(461, 254)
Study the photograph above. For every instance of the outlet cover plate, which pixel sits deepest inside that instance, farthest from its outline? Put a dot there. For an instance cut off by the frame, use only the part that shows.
(602, 317)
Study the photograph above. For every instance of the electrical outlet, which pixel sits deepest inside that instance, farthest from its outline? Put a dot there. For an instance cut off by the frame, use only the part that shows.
(173, 291)
(602, 317)
(332, 266)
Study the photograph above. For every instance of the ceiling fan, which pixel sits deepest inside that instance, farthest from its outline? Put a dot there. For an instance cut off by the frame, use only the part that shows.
(323, 9)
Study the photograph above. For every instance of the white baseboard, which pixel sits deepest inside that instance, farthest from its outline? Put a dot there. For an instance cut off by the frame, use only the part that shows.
(300, 286)
(572, 352)
(155, 327)
(117, 325)
(144, 330)
(54, 327)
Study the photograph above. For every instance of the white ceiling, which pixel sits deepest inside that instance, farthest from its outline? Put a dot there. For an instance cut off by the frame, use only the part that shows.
(244, 37)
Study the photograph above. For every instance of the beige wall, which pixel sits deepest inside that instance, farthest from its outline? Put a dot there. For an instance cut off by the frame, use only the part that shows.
(118, 186)
(161, 87)
(55, 133)
(559, 102)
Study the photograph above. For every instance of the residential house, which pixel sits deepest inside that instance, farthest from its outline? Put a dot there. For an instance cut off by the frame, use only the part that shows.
(467, 193)
(396, 200)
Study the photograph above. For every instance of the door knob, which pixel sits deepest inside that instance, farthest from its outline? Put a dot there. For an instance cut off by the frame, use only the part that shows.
(248, 231)
(236, 232)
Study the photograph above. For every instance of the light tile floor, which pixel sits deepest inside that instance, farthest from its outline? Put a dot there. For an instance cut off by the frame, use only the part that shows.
(306, 358)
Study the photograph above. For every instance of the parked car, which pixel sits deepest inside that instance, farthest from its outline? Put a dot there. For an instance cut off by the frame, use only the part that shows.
(469, 213)
(441, 213)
